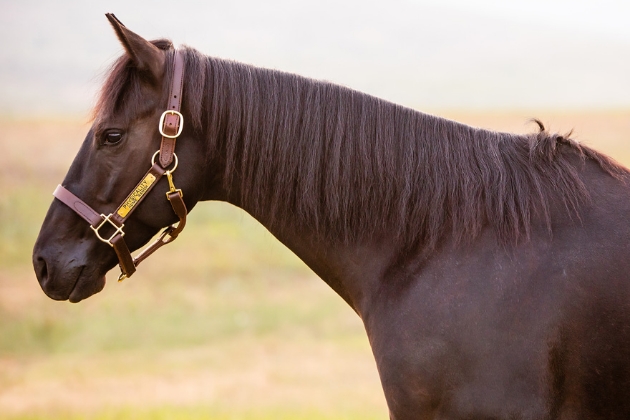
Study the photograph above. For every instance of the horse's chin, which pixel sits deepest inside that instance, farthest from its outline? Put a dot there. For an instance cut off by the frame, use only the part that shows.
(86, 287)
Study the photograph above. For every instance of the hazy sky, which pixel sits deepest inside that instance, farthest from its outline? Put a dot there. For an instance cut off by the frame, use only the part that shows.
(424, 54)
(605, 18)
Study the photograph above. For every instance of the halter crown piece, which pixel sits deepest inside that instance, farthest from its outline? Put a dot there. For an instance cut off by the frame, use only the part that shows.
(170, 126)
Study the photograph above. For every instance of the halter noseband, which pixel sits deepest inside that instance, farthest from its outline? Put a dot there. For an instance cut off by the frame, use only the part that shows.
(170, 126)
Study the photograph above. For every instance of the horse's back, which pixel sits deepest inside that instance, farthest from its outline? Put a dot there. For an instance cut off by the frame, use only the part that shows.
(541, 330)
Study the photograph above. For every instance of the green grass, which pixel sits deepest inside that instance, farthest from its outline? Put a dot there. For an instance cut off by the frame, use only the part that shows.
(20, 210)
(233, 327)
(237, 281)
(231, 301)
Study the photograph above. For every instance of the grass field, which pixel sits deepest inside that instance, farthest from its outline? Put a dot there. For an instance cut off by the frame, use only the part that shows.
(235, 327)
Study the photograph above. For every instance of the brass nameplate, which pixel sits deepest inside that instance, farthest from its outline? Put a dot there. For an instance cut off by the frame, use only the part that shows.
(136, 195)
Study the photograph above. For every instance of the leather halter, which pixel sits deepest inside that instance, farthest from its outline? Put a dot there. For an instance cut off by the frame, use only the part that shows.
(170, 126)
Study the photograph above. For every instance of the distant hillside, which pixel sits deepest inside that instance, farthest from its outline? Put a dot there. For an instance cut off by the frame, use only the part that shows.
(419, 55)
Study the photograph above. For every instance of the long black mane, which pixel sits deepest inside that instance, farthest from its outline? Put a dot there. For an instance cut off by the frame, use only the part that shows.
(351, 166)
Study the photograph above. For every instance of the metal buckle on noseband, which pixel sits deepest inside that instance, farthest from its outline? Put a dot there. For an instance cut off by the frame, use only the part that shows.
(179, 129)
(105, 220)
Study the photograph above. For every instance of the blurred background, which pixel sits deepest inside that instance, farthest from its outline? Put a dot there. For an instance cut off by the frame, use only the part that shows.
(237, 327)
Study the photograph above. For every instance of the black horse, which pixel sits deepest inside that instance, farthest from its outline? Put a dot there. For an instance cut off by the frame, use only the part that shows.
(491, 270)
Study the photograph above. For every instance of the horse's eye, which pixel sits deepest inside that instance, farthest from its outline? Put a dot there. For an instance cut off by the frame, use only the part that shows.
(112, 137)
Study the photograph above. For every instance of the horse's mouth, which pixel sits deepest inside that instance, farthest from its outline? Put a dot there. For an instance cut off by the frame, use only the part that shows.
(85, 287)
(82, 285)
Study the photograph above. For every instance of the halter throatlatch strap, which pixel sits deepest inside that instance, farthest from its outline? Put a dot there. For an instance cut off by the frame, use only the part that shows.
(170, 126)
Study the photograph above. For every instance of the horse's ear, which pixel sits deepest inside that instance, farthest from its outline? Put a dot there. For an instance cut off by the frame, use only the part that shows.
(146, 56)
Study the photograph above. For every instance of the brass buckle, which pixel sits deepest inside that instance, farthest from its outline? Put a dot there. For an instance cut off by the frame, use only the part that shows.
(181, 124)
(118, 229)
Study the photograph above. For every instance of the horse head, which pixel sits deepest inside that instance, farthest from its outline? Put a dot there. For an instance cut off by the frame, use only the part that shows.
(70, 260)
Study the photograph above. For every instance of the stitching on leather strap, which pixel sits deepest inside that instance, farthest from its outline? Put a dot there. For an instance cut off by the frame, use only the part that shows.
(172, 121)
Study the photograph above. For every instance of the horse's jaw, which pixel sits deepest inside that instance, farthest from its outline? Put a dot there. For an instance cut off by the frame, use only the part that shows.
(84, 288)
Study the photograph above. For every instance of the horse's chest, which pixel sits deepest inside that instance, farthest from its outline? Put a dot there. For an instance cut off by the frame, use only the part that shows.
(446, 349)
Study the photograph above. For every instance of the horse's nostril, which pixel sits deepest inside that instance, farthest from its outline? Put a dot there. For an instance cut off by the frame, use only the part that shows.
(41, 269)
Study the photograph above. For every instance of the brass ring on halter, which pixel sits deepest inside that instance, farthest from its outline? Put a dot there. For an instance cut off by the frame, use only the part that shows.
(174, 155)
(179, 129)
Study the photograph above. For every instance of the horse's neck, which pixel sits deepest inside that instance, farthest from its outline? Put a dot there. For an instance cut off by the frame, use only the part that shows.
(350, 270)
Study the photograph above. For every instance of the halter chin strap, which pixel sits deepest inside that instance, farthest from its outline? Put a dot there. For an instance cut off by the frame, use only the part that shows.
(170, 127)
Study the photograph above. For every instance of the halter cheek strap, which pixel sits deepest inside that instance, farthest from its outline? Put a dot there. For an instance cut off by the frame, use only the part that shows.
(170, 126)
(172, 121)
